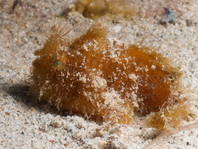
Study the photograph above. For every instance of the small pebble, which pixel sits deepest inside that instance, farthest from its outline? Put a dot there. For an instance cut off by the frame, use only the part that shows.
(169, 17)
(189, 22)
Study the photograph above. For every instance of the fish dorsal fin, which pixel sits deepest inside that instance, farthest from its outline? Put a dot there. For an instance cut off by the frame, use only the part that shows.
(96, 33)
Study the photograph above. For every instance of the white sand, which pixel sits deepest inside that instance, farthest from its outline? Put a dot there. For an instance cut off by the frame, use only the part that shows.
(26, 123)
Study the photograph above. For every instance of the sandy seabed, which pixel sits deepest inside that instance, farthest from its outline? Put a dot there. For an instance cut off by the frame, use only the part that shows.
(26, 123)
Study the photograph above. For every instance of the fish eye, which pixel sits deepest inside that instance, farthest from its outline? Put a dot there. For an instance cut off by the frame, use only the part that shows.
(58, 63)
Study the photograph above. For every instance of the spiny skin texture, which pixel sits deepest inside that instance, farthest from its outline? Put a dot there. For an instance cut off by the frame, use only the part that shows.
(97, 8)
(170, 117)
(110, 82)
